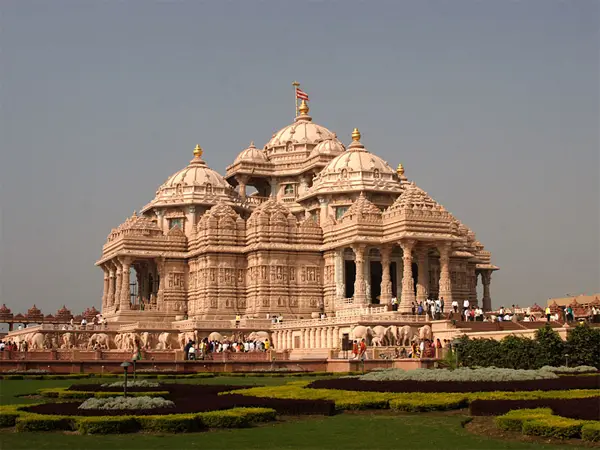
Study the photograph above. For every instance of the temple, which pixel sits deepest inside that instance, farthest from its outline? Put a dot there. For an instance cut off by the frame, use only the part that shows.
(326, 228)
(322, 236)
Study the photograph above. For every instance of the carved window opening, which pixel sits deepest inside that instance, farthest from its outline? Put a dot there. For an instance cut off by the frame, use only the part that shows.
(179, 189)
(178, 222)
(344, 173)
(288, 189)
(340, 211)
(209, 188)
(376, 173)
(289, 147)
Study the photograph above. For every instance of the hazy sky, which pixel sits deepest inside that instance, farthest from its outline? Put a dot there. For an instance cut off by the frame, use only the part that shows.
(492, 107)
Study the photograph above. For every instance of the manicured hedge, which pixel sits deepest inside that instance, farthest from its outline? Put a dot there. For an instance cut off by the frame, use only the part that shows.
(355, 384)
(65, 393)
(591, 432)
(413, 401)
(15, 415)
(578, 408)
(541, 422)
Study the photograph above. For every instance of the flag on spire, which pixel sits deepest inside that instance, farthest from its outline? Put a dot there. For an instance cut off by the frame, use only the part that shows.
(301, 94)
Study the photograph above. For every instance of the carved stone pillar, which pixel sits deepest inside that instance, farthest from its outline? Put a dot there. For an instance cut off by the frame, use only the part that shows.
(274, 188)
(324, 337)
(190, 220)
(105, 287)
(339, 273)
(242, 180)
(445, 283)
(317, 342)
(117, 298)
(162, 279)
(359, 283)
(160, 216)
(423, 275)
(311, 338)
(329, 337)
(386, 280)
(336, 337)
(486, 278)
(290, 336)
(408, 285)
(125, 295)
(323, 203)
(110, 299)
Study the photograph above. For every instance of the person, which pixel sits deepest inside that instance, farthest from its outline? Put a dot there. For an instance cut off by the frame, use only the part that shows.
(455, 305)
(442, 305)
(548, 314)
(186, 349)
(192, 352)
(466, 305)
(354, 349)
(438, 348)
(395, 304)
(413, 308)
(363, 350)
(237, 320)
(83, 323)
(420, 308)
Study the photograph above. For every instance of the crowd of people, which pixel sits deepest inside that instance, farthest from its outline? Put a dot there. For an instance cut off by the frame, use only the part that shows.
(241, 344)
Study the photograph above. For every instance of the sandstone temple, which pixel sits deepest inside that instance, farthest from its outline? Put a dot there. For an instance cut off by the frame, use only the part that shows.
(317, 233)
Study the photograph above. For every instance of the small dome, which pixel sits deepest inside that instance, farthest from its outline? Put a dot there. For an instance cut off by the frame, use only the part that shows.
(252, 155)
(328, 147)
(303, 131)
(195, 184)
(356, 169)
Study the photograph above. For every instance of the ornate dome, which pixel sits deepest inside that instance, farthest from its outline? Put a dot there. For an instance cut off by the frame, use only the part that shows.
(415, 198)
(196, 183)
(362, 209)
(252, 155)
(356, 170)
(328, 147)
(302, 131)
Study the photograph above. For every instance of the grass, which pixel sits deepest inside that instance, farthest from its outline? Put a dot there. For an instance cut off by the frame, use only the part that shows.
(347, 431)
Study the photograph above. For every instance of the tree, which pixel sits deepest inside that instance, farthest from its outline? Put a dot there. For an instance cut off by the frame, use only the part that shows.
(551, 348)
(583, 346)
(519, 352)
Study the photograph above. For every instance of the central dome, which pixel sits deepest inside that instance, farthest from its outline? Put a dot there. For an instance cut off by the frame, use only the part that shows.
(302, 132)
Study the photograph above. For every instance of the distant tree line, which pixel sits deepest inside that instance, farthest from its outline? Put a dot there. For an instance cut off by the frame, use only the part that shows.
(582, 348)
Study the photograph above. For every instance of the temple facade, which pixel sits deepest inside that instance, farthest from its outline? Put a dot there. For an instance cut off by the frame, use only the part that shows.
(301, 227)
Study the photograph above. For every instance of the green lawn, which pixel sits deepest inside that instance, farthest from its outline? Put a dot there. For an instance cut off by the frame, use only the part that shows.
(377, 430)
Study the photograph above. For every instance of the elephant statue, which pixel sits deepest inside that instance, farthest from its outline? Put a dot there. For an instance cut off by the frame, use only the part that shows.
(146, 339)
(101, 339)
(361, 332)
(37, 341)
(376, 341)
(166, 341)
(68, 340)
(215, 336)
(405, 335)
(425, 333)
(380, 332)
(127, 341)
(184, 337)
(261, 336)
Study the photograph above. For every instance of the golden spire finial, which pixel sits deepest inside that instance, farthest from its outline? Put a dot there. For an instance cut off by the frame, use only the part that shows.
(303, 109)
(400, 170)
(198, 151)
(252, 144)
(356, 135)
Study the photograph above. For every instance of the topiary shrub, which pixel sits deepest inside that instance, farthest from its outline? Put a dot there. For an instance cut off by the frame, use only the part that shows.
(513, 420)
(553, 427)
(107, 425)
(431, 402)
(121, 403)
(37, 422)
(177, 423)
(8, 419)
(591, 432)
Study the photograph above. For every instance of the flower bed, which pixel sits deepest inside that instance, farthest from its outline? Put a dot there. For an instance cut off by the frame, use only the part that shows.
(188, 398)
(176, 423)
(356, 384)
(462, 374)
(413, 401)
(541, 422)
(570, 370)
(579, 408)
(126, 403)
(131, 384)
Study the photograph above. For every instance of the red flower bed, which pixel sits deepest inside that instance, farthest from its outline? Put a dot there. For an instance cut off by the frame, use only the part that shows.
(190, 398)
(562, 383)
(576, 408)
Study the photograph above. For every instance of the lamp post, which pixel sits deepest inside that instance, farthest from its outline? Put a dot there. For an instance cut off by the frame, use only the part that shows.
(125, 366)
(567, 359)
(455, 346)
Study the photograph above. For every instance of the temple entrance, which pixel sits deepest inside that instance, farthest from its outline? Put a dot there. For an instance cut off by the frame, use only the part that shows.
(143, 288)
(415, 274)
(349, 278)
(376, 277)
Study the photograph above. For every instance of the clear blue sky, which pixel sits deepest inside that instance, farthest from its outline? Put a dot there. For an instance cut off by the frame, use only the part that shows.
(492, 107)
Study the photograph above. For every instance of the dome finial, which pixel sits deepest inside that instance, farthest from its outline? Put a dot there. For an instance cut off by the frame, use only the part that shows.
(252, 144)
(400, 170)
(356, 135)
(303, 109)
(198, 151)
